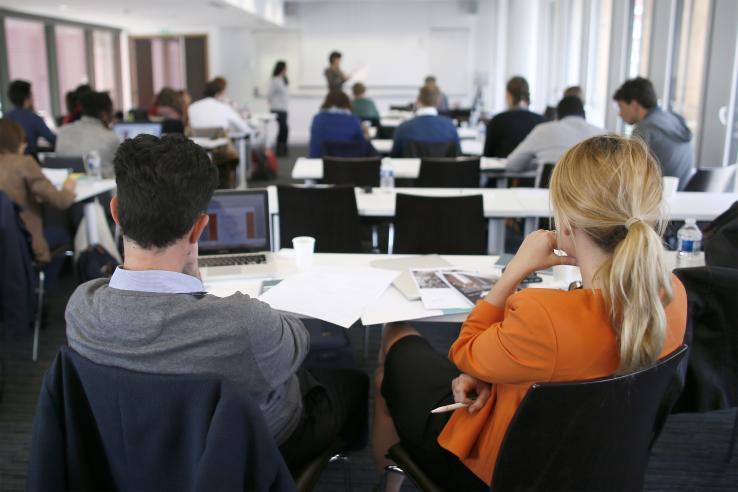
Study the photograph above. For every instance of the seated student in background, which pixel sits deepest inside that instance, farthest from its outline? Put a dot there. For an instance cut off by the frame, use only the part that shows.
(74, 107)
(631, 311)
(91, 132)
(212, 111)
(168, 105)
(153, 315)
(441, 99)
(426, 126)
(507, 129)
(574, 90)
(363, 107)
(22, 180)
(21, 97)
(547, 142)
(665, 133)
(335, 123)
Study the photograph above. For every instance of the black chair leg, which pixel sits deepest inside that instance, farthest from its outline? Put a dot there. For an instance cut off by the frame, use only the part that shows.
(733, 436)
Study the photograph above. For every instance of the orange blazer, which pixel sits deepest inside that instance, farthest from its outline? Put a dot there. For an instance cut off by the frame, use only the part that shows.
(541, 335)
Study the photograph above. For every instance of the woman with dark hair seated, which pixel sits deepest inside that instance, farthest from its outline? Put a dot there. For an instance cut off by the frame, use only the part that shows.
(335, 124)
(22, 180)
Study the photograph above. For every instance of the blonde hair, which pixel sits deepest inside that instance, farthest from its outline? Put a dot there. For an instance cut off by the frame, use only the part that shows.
(610, 188)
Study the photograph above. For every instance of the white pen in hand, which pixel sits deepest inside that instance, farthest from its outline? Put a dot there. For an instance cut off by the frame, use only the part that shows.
(449, 408)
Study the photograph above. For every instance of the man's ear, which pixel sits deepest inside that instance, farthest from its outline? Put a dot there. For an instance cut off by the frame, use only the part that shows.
(114, 209)
(198, 227)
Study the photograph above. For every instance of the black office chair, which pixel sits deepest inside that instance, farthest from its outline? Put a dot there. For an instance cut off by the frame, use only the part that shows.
(717, 179)
(354, 171)
(329, 214)
(438, 225)
(126, 430)
(348, 148)
(171, 125)
(587, 435)
(449, 172)
(52, 161)
(543, 176)
(417, 148)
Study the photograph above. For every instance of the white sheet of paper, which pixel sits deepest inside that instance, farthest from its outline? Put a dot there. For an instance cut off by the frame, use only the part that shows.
(56, 176)
(225, 288)
(339, 295)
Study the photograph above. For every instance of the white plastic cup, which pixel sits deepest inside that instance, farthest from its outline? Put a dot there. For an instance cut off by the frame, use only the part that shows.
(670, 185)
(566, 274)
(304, 247)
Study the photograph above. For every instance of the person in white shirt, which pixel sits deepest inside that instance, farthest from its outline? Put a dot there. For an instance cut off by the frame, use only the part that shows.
(213, 112)
(547, 142)
(277, 97)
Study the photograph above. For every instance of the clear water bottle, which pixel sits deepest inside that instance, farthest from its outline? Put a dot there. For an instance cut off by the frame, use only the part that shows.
(94, 164)
(386, 177)
(689, 248)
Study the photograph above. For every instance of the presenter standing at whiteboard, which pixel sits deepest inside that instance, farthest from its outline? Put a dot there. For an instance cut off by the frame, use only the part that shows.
(333, 74)
(277, 98)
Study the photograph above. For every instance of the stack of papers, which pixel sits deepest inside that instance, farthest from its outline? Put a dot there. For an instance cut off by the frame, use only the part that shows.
(56, 176)
(338, 295)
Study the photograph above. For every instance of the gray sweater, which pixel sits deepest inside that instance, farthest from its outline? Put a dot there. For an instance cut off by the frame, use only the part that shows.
(670, 141)
(237, 338)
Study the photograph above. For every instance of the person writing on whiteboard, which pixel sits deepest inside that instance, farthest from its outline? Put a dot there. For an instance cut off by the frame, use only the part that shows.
(213, 112)
(333, 74)
(277, 97)
(606, 199)
(427, 126)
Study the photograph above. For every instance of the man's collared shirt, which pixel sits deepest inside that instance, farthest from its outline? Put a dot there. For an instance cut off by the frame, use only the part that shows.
(426, 111)
(159, 281)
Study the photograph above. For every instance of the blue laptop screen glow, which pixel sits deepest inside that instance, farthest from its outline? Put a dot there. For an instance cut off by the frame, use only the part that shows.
(238, 223)
(132, 130)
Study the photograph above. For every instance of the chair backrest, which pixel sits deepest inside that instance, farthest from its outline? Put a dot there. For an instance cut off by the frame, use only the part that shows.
(329, 214)
(208, 132)
(171, 125)
(543, 176)
(126, 430)
(449, 172)
(440, 225)
(718, 179)
(589, 435)
(76, 164)
(354, 171)
(17, 276)
(417, 148)
(347, 148)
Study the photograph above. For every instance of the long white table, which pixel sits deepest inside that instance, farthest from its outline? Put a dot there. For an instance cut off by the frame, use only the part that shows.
(404, 168)
(501, 203)
(468, 146)
(89, 189)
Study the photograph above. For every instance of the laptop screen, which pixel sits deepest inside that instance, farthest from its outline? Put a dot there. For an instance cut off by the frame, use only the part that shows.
(239, 223)
(132, 130)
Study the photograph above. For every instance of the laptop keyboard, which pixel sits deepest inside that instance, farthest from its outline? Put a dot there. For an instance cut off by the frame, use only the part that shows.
(216, 261)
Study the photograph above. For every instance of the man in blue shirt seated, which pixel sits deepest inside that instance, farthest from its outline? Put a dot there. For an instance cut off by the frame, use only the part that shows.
(335, 124)
(154, 315)
(426, 126)
(19, 93)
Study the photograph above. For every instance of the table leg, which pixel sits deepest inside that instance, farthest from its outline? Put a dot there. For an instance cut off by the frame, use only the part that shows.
(93, 236)
(242, 163)
(496, 236)
(275, 232)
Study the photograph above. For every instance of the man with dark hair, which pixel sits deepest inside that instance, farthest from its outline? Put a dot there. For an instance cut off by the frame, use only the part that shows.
(333, 74)
(153, 315)
(666, 133)
(213, 111)
(91, 132)
(20, 95)
(426, 126)
(507, 129)
(547, 142)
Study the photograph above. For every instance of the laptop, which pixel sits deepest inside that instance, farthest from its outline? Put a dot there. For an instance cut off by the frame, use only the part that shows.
(236, 240)
(132, 130)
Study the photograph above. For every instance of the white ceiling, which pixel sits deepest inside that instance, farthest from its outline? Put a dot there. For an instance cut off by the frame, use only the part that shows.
(142, 15)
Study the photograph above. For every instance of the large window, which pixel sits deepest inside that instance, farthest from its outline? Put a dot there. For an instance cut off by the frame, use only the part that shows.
(105, 60)
(166, 63)
(599, 62)
(26, 44)
(71, 59)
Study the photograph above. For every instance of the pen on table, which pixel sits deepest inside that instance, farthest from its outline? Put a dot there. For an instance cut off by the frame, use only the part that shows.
(449, 408)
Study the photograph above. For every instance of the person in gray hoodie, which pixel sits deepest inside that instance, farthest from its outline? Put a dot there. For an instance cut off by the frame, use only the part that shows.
(153, 315)
(665, 133)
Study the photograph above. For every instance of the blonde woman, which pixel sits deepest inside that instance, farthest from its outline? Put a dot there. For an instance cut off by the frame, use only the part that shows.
(631, 311)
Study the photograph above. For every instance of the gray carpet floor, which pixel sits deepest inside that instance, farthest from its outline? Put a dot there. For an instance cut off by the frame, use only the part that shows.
(688, 456)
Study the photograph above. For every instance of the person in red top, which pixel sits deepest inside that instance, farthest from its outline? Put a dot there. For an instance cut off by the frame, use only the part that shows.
(606, 198)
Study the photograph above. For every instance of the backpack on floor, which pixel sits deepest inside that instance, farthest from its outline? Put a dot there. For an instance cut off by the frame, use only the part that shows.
(263, 164)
